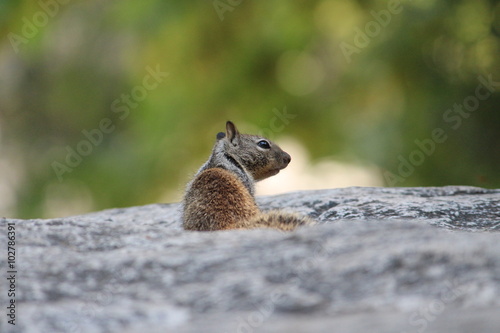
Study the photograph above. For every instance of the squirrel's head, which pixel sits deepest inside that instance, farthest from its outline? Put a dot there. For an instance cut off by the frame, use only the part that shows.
(258, 155)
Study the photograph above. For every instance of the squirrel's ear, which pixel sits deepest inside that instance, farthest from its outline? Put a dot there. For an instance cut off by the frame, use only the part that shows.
(232, 132)
(220, 135)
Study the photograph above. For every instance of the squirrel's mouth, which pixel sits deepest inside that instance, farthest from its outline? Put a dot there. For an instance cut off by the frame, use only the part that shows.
(263, 174)
(266, 174)
(273, 172)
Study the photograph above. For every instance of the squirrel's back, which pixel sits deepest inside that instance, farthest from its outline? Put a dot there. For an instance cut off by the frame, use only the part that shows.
(221, 195)
(217, 200)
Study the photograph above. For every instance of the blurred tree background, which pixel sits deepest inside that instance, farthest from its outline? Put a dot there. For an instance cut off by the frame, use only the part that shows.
(116, 103)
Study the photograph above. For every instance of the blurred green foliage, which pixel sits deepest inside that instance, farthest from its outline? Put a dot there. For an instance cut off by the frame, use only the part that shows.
(364, 80)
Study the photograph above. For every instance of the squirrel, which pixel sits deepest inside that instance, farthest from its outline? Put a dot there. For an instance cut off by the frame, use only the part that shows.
(221, 195)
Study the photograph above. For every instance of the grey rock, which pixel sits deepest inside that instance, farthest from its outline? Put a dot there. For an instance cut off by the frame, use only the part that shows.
(379, 260)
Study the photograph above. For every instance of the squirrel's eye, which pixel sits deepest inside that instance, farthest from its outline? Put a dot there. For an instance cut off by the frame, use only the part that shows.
(264, 144)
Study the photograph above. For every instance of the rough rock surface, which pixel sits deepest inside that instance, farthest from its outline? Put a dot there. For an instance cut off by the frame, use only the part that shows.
(379, 260)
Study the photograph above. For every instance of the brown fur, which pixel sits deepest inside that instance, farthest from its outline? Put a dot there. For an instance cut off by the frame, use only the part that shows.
(278, 220)
(221, 194)
(217, 200)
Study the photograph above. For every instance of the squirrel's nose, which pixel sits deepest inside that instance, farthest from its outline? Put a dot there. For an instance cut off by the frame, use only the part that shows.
(287, 158)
